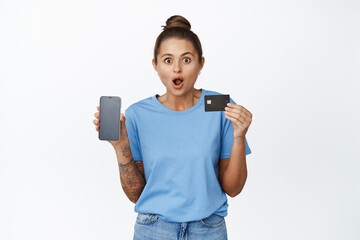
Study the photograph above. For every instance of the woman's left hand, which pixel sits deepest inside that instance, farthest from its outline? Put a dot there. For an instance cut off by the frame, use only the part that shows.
(240, 118)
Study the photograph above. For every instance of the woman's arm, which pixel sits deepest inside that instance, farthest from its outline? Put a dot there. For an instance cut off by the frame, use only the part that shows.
(131, 172)
(233, 170)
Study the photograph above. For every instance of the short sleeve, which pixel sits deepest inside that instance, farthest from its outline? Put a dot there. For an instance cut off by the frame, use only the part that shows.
(227, 136)
(133, 135)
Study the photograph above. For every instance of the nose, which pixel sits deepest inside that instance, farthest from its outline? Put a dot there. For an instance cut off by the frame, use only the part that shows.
(177, 67)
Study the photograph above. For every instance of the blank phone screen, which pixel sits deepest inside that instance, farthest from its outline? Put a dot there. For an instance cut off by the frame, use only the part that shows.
(109, 126)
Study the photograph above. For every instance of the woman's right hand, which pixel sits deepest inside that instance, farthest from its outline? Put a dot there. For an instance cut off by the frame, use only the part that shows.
(123, 133)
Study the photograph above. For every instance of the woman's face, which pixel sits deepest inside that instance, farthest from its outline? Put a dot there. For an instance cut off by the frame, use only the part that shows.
(177, 59)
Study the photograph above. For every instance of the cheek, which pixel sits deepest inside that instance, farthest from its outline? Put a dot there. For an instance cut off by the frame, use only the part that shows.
(192, 71)
(162, 73)
(163, 69)
(163, 76)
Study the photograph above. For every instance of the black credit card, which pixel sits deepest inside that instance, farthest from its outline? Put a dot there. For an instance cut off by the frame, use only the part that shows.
(216, 102)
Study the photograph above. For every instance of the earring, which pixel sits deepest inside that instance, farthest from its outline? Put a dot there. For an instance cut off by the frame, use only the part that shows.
(199, 72)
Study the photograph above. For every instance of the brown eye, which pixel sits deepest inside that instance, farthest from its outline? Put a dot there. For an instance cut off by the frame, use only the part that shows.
(187, 60)
(167, 60)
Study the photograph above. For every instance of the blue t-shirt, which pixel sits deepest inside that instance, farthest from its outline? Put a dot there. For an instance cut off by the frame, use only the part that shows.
(180, 151)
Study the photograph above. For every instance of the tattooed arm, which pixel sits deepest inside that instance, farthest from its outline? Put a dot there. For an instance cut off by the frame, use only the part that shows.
(131, 172)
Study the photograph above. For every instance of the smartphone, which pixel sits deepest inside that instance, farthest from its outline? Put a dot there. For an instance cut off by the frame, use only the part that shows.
(216, 102)
(109, 126)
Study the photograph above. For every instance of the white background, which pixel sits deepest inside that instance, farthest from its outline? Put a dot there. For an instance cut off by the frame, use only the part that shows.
(293, 64)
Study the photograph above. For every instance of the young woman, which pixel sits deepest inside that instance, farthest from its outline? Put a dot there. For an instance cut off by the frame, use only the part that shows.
(177, 161)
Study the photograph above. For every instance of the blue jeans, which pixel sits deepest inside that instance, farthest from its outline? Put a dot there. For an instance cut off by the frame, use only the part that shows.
(151, 227)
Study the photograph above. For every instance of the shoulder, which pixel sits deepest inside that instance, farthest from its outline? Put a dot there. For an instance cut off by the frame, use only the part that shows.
(137, 106)
(210, 92)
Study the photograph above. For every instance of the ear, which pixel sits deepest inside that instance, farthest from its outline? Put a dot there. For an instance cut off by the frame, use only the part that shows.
(202, 62)
(154, 64)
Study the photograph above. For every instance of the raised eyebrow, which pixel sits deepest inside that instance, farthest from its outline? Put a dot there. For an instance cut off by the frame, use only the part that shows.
(169, 54)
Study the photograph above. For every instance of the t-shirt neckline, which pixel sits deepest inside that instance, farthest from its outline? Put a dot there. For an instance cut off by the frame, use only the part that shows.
(198, 104)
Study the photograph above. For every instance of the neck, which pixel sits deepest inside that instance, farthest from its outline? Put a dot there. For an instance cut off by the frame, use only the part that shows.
(181, 102)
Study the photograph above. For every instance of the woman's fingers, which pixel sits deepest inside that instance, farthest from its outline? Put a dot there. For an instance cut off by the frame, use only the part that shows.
(96, 121)
(123, 131)
(122, 120)
(97, 113)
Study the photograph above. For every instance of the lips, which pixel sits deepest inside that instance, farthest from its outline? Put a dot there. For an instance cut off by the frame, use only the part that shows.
(177, 80)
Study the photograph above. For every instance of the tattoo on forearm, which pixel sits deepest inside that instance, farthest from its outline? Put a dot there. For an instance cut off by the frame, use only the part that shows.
(132, 180)
(140, 166)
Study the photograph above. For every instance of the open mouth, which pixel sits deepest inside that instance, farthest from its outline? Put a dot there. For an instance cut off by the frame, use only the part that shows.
(177, 81)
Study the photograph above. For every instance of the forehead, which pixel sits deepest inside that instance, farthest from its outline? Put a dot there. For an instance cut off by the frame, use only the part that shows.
(176, 46)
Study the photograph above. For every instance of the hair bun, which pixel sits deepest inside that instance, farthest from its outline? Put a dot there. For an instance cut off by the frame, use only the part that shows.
(177, 21)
